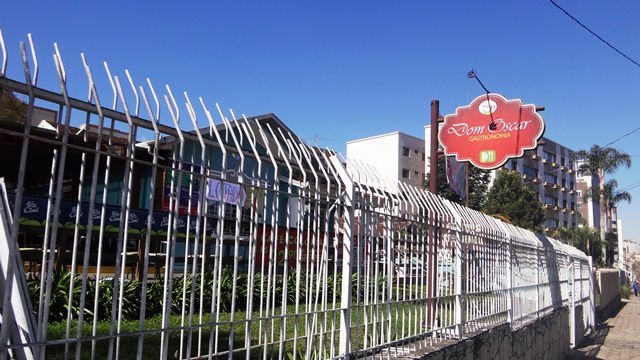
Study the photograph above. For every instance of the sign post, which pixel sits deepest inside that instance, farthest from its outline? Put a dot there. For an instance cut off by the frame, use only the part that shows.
(433, 153)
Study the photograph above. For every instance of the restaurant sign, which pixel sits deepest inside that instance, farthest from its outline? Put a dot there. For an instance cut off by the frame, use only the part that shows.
(491, 130)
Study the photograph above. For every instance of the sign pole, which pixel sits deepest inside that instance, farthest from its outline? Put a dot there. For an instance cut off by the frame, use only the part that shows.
(466, 182)
(433, 160)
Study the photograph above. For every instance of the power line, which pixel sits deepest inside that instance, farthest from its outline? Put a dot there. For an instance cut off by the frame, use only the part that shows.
(594, 34)
(609, 45)
(623, 136)
(635, 184)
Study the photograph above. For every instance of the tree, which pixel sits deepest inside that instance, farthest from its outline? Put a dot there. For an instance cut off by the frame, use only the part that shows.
(478, 185)
(511, 198)
(583, 238)
(599, 162)
(11, 108)
(610, 198)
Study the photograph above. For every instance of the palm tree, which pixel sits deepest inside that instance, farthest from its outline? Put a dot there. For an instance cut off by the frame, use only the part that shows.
(599, 162)
(583, 238)
(610, 196)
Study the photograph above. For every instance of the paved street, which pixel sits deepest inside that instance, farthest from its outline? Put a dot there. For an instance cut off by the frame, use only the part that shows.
(617, 338)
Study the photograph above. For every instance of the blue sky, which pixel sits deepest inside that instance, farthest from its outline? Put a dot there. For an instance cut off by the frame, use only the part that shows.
(340, 70)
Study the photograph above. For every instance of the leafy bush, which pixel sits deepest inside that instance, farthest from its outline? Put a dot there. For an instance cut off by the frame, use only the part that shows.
(625, 291)
(207, 283)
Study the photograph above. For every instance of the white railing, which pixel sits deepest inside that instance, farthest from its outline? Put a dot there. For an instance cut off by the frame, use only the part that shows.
(146, 234)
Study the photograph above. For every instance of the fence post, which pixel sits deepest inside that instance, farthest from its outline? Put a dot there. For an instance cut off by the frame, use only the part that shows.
(572, 301)
(458, 268)
(537, 249)
(459, 315)
(592, 294)
(510, 280)
(347, 238)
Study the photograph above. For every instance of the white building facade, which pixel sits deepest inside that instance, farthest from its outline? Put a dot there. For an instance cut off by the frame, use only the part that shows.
(396, 156)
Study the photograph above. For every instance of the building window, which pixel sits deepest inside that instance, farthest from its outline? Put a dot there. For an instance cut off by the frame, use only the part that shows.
(579, 192)
(415, 174)
(550, 178)
(549, 156)
(564, 204)
(405, 151)
(423, 156)
(551, 223)
(579, 205)
(415, 152)
(550, 200)
(530, 172)
(571, 186)
(405, 173)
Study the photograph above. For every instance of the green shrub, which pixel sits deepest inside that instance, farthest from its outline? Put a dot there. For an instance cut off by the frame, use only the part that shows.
(207, 283)
(625, 291)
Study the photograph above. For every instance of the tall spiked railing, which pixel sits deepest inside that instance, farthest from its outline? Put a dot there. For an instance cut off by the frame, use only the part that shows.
(236, 238)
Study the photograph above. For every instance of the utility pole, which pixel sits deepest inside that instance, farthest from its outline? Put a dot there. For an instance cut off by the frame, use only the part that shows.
(433, 160)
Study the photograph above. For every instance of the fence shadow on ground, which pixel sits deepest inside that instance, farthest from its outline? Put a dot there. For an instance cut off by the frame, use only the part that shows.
(590, 346)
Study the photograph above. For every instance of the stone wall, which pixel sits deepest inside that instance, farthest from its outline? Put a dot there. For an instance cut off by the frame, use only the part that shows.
(547, 338)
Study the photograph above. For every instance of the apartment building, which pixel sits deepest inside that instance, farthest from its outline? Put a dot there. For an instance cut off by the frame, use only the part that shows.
(396, 155)
(549, 170)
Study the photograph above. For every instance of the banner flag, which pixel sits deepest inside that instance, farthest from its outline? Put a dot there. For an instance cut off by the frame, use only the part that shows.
(233, 193)
(457, 176)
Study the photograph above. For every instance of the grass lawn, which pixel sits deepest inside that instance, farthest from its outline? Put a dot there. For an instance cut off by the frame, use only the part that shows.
(151, 350)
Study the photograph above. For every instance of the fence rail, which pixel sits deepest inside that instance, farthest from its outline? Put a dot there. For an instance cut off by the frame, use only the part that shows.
(154, 236)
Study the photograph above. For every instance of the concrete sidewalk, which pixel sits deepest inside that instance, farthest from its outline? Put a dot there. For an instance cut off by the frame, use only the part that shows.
(617, 338)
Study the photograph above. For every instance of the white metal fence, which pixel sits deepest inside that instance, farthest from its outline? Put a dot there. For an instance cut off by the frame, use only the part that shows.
(145, 234)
